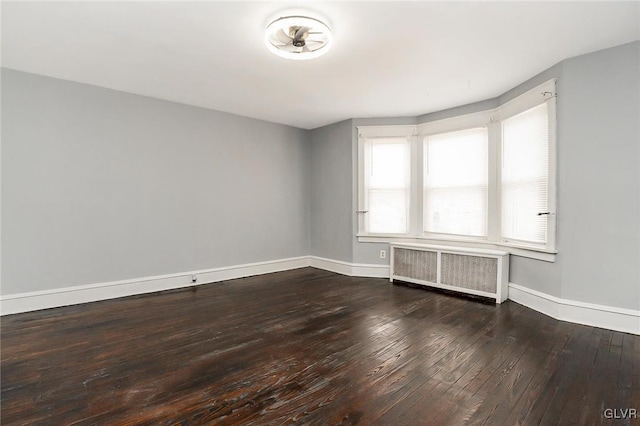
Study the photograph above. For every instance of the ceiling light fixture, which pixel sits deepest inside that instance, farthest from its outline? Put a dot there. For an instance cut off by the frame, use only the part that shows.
(298, 37)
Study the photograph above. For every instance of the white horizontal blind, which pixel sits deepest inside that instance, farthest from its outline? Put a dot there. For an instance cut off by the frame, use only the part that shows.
(455, 182)
(387, 174)
(525, 175)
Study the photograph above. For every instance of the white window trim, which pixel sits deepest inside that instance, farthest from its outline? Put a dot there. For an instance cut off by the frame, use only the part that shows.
(382, 132)
(517, 250)
(528, 100)
(453, 124)
(363, 195)
(492, 119)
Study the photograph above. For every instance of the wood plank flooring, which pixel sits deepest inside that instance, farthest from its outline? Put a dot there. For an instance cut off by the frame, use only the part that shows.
(311, 347)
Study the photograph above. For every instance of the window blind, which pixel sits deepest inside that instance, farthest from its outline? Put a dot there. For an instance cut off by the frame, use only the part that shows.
(525, 175)
(455, 182)
(387, 163)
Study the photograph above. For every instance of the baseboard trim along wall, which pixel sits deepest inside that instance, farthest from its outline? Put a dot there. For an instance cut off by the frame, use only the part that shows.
(609, 317)
(612, 318)
(350, 269)
(33, 301)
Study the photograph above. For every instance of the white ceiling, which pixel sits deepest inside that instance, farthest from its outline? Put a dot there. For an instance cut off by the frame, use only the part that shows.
(388, 58)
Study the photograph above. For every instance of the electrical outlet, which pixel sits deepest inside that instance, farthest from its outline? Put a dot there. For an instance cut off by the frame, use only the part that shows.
(383, 254)
(194, 278)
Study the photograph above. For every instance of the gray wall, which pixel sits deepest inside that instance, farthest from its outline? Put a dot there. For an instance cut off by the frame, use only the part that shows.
(331, 213)
(99, 185)
(459, 110)
(598, 180)
(333, 185)
(599, 154)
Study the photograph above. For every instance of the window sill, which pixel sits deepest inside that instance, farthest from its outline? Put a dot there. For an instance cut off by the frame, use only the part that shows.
(514, 249)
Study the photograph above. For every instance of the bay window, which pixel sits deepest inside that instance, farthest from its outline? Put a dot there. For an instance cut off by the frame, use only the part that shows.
(483, 178)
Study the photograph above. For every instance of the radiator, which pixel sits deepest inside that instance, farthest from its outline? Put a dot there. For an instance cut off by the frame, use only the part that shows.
(479, 272)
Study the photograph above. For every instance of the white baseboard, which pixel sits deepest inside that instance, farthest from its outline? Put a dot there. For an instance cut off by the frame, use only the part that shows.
(36, 300)
(612, 318)
(350, 269)
(625, 320)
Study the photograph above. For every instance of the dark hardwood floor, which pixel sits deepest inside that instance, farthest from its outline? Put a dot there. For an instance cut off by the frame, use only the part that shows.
(311, 347)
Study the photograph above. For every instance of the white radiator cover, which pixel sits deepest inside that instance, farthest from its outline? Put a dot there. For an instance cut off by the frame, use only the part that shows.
(479, 272)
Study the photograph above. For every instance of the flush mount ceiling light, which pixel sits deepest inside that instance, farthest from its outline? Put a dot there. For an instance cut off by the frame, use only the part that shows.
(298, 37)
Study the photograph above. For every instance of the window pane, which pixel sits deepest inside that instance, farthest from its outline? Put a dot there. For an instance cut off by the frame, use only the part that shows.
(459, 211)
(387, 185)
(525, 180)
(455, 183)
(388, 211)
(389, 164)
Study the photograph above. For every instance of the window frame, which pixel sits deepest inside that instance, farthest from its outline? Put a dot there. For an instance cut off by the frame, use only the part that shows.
(366, 193)
(383, 132)
(492, 119)
(466, 122)
(512, 108)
